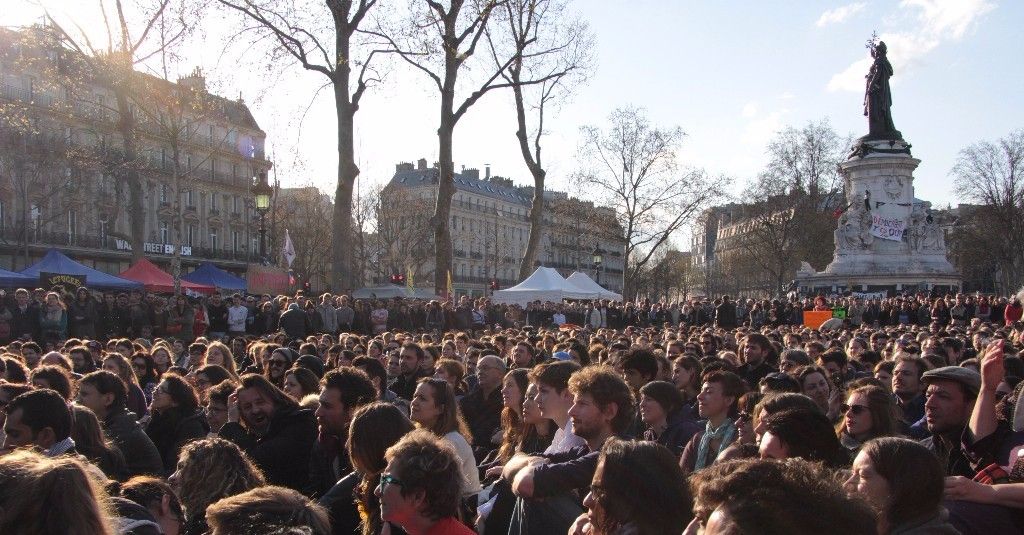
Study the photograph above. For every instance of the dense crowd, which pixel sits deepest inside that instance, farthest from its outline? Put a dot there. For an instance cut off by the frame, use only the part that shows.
(246, 414)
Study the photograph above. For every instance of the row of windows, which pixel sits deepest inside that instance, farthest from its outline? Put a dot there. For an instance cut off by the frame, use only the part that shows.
(216, 201)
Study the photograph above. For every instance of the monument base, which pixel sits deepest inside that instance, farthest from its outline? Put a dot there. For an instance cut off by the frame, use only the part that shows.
(886, 239)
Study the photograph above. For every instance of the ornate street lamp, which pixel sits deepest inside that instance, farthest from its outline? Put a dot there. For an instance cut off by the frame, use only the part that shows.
(598, 255)
(262, 191)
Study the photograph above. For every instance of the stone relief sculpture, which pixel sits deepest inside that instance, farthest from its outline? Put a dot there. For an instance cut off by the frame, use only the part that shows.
(854, 230)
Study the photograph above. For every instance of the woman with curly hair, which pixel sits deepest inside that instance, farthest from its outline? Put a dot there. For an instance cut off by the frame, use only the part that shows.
(208, 470)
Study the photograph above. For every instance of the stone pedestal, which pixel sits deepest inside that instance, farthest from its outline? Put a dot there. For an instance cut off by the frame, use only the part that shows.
(886, 239)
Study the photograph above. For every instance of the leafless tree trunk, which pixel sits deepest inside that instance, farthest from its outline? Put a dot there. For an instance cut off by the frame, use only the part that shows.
(438, 40)
(548, 44)
(295, 30)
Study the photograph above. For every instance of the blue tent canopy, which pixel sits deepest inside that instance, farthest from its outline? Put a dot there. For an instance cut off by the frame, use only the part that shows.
(55, 262)
(10, 279)
(212, 275)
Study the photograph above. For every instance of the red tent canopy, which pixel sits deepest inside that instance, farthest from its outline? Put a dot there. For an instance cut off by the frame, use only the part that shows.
(158, 280)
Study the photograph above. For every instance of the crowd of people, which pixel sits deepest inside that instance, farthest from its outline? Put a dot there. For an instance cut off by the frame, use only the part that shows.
(247, 414)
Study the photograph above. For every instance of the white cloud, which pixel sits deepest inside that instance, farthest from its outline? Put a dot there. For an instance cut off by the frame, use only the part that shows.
(936, 22)
(839, 14)
(750, 109)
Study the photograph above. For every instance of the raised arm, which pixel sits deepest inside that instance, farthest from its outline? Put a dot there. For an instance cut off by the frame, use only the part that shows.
(983, 418)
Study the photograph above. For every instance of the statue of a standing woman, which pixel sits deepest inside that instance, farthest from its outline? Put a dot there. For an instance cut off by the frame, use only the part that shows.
(878, 97)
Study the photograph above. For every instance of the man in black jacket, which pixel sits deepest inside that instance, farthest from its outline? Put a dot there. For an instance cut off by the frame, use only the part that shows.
(410, 358)
(343, 391)
(294, 322)
(725, 314)
(217, 313)
(106, 394)
(272, 430)
(24, 316)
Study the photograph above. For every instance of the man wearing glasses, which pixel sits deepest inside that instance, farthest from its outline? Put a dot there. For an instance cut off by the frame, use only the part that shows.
(482, 406)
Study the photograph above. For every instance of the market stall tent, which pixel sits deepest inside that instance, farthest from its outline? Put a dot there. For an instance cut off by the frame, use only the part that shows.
(155, 279)
(545, 284)
(10, 279)
(56, 262)
(586, 284)
(208, 274)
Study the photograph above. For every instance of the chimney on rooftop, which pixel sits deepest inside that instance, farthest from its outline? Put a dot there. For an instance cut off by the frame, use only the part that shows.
(421, 164)
(195, 81)
(487, 171)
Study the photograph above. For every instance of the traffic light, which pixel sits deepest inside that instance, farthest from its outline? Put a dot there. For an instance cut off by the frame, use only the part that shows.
(307, 287)
(398, 278)
(494, 284)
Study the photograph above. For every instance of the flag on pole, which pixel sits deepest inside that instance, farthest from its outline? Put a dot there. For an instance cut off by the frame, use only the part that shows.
(289, 249)
(409, 286)
(451, 293)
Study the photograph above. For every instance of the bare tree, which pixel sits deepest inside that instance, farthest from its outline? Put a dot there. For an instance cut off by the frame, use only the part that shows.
(306, 213)
(992, 174)
(297, 32)
(632, 166)
(130, 40)
(439, 40)
(549, 44)
(401, 229)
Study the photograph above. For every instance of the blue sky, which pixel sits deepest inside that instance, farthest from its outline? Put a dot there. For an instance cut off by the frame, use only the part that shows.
(730, 73)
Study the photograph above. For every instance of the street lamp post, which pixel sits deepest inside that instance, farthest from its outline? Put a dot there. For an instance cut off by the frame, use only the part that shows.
(598, 255)
(262, 192)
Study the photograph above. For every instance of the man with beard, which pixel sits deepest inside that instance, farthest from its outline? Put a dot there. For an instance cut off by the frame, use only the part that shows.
(272, 430)
(409, 361)
(342, 392)
(757, 352)
(602, 407)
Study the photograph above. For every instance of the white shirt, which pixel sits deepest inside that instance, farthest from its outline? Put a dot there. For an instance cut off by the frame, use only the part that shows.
(564, 440)
(470, 475)
(236, 318)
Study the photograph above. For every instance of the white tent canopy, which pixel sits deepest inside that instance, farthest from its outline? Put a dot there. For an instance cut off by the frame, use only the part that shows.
(586, 284)
(545, 284)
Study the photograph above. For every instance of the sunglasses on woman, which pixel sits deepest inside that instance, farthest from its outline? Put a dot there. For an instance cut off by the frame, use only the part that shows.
(856, 409)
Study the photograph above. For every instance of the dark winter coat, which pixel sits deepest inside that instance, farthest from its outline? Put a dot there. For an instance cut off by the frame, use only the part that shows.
(140, 454)
(171, 429)
(283, 451)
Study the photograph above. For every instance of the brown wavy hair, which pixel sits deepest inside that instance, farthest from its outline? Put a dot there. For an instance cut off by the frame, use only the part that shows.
(211, 469)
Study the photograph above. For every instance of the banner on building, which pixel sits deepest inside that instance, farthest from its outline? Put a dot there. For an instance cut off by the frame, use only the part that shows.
(888, 222)
(262, 279)
(48, 280)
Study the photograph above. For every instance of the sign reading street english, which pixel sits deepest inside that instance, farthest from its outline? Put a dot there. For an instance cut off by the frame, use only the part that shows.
(887, 227)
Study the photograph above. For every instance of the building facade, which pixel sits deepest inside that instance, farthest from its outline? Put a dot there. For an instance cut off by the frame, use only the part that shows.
(62, 179)
(490, 227)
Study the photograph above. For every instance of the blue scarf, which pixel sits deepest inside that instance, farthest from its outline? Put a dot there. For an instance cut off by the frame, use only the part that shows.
(726, 433)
